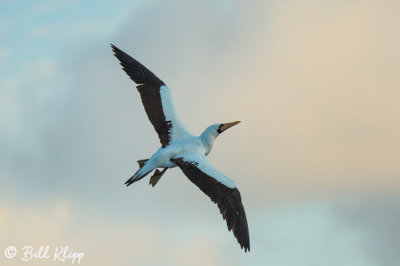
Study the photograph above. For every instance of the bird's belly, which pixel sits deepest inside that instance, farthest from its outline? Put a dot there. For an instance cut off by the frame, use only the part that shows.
(169, 164)
(162, 158)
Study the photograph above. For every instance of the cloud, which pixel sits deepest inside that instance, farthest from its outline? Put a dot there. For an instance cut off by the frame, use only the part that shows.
(326, 118)
(317, 99)
(24, 98)
(313, 82)
(102, 240)
(305, 233)
(377, 220)
(49, 7)
(4, 57)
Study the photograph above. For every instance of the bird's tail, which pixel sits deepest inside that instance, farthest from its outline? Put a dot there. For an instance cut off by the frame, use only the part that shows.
(144, 170)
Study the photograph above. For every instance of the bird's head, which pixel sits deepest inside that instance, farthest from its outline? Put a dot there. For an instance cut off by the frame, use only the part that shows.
(224, 126)
(212, 132)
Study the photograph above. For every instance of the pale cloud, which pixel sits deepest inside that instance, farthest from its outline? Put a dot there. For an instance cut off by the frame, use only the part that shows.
(104, 240)
(312, 81)
(4, 57)
(377, 220)
(307, 234)
(80, 29)
(314, 90)
(23, 96)
(317, 92)
(48, 7)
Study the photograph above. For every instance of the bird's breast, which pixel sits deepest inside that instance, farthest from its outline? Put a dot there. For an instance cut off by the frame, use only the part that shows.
(189, 145)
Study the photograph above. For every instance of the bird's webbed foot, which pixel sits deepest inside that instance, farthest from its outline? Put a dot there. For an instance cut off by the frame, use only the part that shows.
(156, 176)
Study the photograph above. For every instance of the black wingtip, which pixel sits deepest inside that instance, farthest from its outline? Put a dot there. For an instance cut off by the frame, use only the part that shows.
(115, 49)
(117, 52)
(135, 70)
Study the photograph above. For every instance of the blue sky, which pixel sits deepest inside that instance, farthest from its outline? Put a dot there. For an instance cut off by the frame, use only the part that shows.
(315, 157)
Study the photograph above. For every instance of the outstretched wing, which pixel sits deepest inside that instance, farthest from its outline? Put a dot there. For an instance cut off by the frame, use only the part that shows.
(156, 99)
(222, 190)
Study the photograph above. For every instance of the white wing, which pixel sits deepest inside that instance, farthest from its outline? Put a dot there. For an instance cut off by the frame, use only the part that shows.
(178, 129)
(156, 99)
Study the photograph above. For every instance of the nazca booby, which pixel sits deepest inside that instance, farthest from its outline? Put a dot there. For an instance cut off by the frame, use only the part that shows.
(180, 148)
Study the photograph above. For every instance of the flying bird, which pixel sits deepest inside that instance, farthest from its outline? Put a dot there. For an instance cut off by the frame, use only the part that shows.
(180, 148)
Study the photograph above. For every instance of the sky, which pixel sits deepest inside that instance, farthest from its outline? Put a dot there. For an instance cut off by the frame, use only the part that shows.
(315, 84)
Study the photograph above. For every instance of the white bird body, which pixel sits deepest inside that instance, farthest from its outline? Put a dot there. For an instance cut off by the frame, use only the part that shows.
(199, 145)
(162, 157)
(181, 148)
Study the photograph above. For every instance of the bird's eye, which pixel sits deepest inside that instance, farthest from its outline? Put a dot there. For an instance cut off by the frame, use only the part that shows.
(219, 128)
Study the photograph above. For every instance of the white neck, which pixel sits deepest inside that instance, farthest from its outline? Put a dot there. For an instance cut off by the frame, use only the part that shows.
(208, 137)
